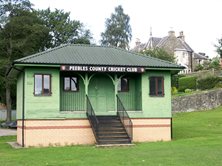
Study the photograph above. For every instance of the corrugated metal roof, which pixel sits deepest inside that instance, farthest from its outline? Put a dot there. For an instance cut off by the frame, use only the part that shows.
(94, 55)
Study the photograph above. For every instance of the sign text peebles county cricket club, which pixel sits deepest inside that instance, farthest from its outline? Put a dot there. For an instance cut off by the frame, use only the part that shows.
(102, 68)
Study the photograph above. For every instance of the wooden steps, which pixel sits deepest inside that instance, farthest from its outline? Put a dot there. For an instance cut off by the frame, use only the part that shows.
(111, 131)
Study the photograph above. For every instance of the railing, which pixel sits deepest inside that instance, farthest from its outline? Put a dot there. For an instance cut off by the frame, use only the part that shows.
(92, 117)
(124, 117)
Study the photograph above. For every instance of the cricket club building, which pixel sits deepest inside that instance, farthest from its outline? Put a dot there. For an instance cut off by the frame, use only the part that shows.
(83, 94)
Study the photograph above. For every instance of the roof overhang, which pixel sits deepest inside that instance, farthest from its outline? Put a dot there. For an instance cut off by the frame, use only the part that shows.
(14, 70)
(173, 71)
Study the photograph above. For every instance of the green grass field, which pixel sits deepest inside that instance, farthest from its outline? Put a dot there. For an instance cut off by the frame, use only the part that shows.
(197, 141)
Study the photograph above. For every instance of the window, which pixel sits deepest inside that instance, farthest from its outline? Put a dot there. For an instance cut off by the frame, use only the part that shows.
(71, 84)
(42, 85)
(156, 86)
(123, 85)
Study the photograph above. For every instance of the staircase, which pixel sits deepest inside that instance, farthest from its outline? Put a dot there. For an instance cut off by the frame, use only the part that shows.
(111, 131)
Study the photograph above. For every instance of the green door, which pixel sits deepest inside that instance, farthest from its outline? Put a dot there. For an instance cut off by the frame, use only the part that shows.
(102, 94)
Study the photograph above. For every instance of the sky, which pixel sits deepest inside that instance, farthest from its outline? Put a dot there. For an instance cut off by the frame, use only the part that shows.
(200, 20)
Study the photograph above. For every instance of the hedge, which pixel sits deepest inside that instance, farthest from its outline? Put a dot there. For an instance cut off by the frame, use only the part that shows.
(175, 80)
(187, 83)
(208, 83)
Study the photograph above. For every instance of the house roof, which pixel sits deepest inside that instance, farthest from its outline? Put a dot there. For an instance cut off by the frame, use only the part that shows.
(72, 54)
(174, 42)
(139, 47)
(170, 43)
(152, 43)
(199, 56)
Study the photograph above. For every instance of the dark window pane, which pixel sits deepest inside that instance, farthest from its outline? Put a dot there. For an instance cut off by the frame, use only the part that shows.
(74, 84)
(46, 84)
(66, 83)
(38, 84)
(159, 86)
(152, 86)
(124, 84)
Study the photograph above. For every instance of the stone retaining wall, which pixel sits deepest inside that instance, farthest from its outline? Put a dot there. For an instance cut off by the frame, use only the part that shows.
(201, 101)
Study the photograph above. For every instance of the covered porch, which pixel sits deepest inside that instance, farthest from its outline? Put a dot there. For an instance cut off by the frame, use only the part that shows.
(102, 88)
(105, 97)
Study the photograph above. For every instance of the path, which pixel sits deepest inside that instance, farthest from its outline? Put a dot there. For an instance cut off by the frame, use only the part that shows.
(5, 132)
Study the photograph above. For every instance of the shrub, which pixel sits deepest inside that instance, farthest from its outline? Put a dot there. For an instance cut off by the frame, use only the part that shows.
(208, 82)
(187, 83)
(174, 90)
(218, 85)
(198, 67)
(175, 80)
(188, 90)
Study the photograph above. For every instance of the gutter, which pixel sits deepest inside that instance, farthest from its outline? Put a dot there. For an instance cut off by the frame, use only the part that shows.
(23, 101)
(23, 109)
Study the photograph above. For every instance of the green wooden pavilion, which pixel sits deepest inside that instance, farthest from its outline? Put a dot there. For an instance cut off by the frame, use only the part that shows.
(85, 94)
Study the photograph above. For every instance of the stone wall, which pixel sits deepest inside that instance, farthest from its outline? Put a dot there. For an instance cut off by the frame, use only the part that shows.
(200, 101)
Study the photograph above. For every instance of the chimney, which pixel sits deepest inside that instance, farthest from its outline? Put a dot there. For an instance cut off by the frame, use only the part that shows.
(138, 42)
(202, 53)
(181, 36)
(171, 33)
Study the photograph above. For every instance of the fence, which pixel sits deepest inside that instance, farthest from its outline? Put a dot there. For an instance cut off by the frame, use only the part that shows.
(3, 114)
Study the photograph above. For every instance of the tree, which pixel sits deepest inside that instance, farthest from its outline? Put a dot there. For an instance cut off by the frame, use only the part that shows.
(62, 29)
(215, 63)
(219, 47)
(160, 54)
(21, 34)
(118, 30)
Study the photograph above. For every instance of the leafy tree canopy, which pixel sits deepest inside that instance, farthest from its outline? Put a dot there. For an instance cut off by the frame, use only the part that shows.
(62, 29)
(219, 47)
(24, 31)
(160, 54)
(118, 30)
(21, 34)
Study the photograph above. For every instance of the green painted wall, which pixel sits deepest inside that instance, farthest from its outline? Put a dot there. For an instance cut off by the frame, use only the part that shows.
(72, 101)
(41, 106)
(155, 107)
(19, 98)
(48, 107)
(138, 104)
(132, 100)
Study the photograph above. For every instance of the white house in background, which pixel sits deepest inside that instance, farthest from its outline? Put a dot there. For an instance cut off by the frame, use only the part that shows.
(176, 46)
(199, 58)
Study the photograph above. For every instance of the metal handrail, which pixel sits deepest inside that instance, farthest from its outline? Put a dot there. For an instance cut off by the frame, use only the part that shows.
(124, 118)
(94, 122)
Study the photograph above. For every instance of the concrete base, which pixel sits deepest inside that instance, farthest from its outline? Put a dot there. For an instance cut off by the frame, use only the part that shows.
(145, 130)
(15, 145)
(43, 133)
(55, 132)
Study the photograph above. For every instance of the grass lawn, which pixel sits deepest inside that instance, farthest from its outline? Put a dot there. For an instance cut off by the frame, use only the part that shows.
(197, 141)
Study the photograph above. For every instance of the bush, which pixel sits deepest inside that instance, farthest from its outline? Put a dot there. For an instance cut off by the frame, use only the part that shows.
(175, 80)
(208, 82)
(218, 85)
(188, 90)
(174, 90)
(187, 83)
(198, 67)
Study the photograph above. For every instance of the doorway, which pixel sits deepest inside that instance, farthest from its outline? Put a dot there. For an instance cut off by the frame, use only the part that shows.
(102, 94)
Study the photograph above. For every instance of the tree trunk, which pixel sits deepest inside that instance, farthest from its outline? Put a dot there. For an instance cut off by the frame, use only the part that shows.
(7, 84)
(8, 101)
